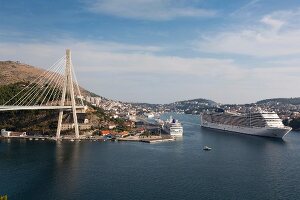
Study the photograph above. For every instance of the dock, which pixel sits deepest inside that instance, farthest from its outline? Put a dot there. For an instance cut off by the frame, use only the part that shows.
(147, 139)
(51, 138)
(159, 140)
(130, 138)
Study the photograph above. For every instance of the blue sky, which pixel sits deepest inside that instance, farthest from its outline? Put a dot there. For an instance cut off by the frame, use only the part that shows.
(160, 51)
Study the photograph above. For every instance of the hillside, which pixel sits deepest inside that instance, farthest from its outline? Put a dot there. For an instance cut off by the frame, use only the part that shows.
(199, 101)
(194, 106)
(15, 72)
(13, 77)
(45, 121)
(293, 101)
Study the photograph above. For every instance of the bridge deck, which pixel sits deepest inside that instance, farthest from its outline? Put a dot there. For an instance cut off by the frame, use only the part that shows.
(10, 108)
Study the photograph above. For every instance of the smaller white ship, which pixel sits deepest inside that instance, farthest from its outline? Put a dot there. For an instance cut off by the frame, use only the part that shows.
(149, 115)
(206, 148)
(173, 127)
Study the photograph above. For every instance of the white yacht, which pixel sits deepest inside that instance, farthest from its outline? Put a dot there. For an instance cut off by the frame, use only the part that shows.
(259, 123)
(173, 127)
(149, 115)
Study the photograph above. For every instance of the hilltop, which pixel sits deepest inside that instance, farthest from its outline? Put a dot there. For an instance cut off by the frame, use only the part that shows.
(12, 72)
(199, 101)
(194, 106)
(293, 101)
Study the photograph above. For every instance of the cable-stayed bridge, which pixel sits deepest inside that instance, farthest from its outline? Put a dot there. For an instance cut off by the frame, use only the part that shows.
(55, 89)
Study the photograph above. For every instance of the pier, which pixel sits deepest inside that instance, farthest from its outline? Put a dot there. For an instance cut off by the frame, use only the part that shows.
(147, 139)
(135, 138)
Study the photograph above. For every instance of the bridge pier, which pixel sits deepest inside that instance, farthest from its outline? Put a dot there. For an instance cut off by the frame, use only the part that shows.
(68, 87)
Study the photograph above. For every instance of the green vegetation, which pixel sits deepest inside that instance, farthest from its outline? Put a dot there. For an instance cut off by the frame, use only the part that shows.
(14, 92)
(194, 106)
(44, 121)
(293, 101)
(294, 123)
(8, 91)
(104, 118)
(99, 112)
(31, 121)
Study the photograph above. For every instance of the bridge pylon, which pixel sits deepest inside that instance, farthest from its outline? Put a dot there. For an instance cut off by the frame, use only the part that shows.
(68, 88)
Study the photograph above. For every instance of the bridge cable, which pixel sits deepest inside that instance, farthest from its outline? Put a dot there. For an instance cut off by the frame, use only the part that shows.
(31, 83)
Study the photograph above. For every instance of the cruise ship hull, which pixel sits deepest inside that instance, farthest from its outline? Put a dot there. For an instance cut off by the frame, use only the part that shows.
(256, 131)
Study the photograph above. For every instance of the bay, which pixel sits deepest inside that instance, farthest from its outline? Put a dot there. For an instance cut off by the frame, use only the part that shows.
(238, 167)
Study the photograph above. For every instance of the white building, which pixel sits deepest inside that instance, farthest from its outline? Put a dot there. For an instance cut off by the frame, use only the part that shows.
(97, 101)
(88, 98)
(92, 100)
(5, 133)
(69, 126)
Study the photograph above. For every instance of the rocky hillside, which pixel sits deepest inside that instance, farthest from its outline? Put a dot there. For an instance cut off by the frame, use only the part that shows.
(16, 72)
(13, 72)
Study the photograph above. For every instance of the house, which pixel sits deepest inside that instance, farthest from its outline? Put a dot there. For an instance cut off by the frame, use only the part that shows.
(69, 126)
(5, 133)
(83, 122)
(105, 132)
(141, 130)
(130, 124)
(112, 125)
(122, 134)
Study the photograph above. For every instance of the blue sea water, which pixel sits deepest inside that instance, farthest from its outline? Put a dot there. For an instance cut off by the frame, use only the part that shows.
(238, 167)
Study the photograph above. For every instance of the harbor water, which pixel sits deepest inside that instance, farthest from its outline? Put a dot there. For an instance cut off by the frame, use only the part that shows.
(237, 167)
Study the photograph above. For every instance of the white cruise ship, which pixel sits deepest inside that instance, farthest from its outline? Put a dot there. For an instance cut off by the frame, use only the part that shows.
(260, 123)
(173, 127)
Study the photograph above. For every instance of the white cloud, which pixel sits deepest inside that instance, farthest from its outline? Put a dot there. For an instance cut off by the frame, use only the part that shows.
(42, 54)
(116, 57)
(274, 23)
(148, 9)
(291, 62)
(114, 72)
(277, 34)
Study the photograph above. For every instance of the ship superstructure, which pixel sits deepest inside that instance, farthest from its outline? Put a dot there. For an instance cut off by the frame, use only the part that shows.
(259, 123)
(173, 127)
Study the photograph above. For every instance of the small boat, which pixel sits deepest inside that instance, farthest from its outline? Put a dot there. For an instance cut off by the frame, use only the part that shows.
(30, 138)
(36, 139)
(72, 140)
(206, 148)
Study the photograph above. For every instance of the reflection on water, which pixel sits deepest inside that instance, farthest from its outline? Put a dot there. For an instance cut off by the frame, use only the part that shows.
(66, 172)
(66, 152)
